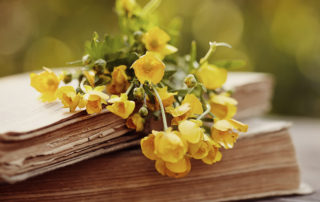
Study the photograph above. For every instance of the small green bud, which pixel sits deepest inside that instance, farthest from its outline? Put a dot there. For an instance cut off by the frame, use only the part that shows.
(86, 59)
(190, 81)
(99, 65)
(143, 111)
(138, 35)
(67, 78)
(138, 93)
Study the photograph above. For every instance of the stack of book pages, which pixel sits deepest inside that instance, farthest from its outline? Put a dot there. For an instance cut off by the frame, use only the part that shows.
(36, 138)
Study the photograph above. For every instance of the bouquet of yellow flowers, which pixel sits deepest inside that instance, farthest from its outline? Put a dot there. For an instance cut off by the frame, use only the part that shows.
(139, 76)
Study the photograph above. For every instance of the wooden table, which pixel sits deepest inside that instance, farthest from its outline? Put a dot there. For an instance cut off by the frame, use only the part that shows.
(306, 138)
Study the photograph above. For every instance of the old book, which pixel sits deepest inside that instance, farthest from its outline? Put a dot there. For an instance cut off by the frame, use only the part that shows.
(36, 138)
(263, 163)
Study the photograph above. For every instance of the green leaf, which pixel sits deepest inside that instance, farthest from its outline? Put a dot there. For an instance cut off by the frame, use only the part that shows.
(105, 49)
(182, 92)
(169, 73)
(230, 64)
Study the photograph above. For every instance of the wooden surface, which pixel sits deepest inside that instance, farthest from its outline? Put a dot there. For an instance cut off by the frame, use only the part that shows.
(305, 133)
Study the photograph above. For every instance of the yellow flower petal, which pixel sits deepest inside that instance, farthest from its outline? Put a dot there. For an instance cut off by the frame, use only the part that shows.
(46, 83)
(190, 130)
(222, 106)
(135, 122)
(121, 105)
(147, 146)
(119, 83)
(184, 164)
(195, 104)
(149, 68)
(214, 155)
(224, 132)
(155, 39)
(90, 77)
(93, 99)
(187, 164)
(179, 113)
(169, 146)
(199, 150)
(161, 167)
(69, 97)
(211, 76)
(167, 99)
(180, 166)
(93, 104)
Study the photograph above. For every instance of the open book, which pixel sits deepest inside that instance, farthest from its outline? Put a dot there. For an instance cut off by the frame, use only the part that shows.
(36, 138)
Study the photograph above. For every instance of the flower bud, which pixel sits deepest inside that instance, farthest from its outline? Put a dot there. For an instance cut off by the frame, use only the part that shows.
(138, 35)
(138, 93)
(143, 111)
(99, 65)
(86, 59)
(190, 81)
(67, 78)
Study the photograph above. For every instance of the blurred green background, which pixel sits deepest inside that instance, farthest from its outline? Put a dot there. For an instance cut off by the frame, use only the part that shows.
(276, 36)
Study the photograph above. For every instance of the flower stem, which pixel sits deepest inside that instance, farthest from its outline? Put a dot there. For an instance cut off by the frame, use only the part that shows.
(81, 85)
(205, 112)
(164, 119)
(191, 89)
(130, 88)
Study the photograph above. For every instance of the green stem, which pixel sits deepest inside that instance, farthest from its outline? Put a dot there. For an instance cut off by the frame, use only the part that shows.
(168, 84)
(205, 112)
(82, 87)
(191, 89)
(164, 119)
(211, 114)
(130, 88)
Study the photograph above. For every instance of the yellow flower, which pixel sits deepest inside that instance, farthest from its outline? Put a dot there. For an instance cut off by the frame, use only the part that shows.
(149, 68)
(223, 106)
(213, 156)
(121, 106)
(169, 146)
(69, 97)
(175, 170)
(93, 99)
(156, 41)
(119, 83)
(167, 99)
(135, 122)
(147, 146)
(211, 76)
(201, 149)
(225, 132)
(195, 104)
(189, 107)
(90, 77)
(47, 83)
(126, 7)
(180, 113)
(191, 131)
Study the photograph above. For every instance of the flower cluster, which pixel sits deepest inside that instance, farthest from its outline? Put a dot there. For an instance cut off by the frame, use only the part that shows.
(139, 77)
